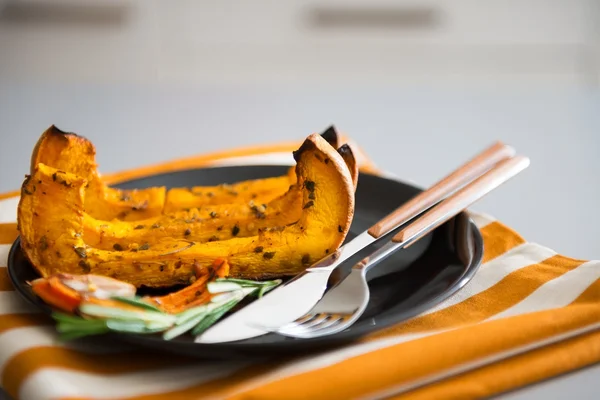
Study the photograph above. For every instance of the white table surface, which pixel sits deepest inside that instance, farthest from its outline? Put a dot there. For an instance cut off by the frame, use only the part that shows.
(417, 134)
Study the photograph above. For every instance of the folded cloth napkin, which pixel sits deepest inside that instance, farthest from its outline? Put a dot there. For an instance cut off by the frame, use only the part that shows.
(522, 293)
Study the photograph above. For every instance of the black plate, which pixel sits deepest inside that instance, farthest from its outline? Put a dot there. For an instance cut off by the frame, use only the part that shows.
(404, 285)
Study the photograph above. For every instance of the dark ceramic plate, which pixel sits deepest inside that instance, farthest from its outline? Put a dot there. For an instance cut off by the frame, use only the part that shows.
(404, 285)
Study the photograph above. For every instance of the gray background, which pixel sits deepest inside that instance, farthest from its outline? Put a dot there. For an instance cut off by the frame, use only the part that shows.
(421, 86)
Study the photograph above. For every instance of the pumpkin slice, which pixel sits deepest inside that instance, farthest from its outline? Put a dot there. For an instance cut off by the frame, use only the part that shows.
(211, 223)
(51, 221)
(72, 153)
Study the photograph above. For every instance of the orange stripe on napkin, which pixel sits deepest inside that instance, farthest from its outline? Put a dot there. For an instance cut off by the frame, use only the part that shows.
(8, 233)
(216, 389)
(498, 239)
(509, 291)
(9, 195)
(22, 365)
(374, 372)
(515, 372)
(12, 321)
(5, 283)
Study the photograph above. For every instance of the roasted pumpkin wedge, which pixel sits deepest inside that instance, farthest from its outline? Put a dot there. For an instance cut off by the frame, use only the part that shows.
(52, 232)
(211, 223)
(75, 154)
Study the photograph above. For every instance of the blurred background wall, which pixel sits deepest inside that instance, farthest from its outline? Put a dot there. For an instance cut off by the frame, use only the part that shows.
(467, 42)
(421, 85)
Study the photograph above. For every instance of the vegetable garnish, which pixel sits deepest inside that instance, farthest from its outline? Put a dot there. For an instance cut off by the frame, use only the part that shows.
(133, 315)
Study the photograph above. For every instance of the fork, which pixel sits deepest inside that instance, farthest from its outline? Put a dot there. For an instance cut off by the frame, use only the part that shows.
(343, 305)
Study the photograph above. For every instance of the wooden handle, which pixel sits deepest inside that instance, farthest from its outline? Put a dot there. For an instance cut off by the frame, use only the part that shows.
(462, 199)
(464, 174)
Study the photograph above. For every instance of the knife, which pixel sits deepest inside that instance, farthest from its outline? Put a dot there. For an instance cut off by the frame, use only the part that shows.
(297, 296)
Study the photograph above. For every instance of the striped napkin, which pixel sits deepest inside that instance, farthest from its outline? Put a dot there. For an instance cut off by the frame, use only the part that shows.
(523, 293)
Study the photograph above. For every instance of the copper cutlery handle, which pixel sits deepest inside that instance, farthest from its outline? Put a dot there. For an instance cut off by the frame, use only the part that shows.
(443, 188)
(462, 199)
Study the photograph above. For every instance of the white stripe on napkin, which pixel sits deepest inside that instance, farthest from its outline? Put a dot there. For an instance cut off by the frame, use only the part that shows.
(4, 250)
(260, 159)
(25, 338)
(8, 210)
(494, 271)
(481, 219)
(53, 383)
(559, 292)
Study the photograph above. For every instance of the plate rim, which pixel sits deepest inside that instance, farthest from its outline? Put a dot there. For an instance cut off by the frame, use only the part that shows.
(299, 344)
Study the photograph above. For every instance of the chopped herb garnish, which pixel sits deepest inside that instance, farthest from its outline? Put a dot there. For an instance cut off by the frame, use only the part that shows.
(219, 228)
(155, 226)
(213, 238)
(139, 227)
(213, 214)
(269, 254)
(187, 232)
(235, 230)
(309, 204)
(312, 196)
(340, 229)
(258, 249)
(310, 186)
(145, 246)
(117, 247)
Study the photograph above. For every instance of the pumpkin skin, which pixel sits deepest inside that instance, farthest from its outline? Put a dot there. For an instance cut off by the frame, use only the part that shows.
(51, 219)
